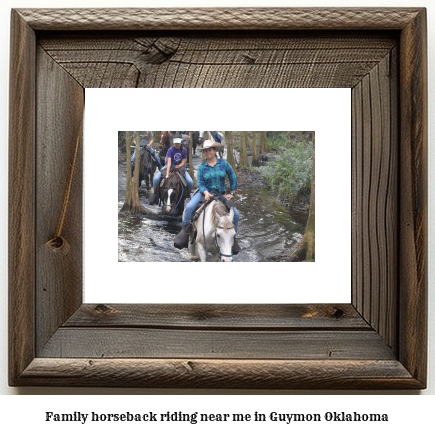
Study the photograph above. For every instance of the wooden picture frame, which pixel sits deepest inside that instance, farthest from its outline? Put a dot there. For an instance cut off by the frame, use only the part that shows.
(376, 342)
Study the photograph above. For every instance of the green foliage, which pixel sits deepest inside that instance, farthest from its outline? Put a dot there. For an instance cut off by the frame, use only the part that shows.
(277, 139)
(290, 169)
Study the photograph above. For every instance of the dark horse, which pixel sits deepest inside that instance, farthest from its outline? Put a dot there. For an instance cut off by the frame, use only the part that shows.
(166, 141)
(147, 168)
(195, 141)
(173, 193)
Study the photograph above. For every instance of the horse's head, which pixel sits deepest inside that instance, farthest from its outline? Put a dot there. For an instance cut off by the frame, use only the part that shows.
(171, 193)
(225, 231)
(146, 160)
(186, 138)
(166, 139)
(165, 143)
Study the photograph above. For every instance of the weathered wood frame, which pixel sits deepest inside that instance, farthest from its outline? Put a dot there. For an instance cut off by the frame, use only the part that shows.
(377, 341)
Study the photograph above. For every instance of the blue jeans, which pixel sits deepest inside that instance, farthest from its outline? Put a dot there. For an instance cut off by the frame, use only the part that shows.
(193, 204)
(158, 177)
(153, 152)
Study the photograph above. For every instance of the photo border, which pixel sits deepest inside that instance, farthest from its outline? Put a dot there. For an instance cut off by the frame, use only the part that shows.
(331, 123)
(378, 341)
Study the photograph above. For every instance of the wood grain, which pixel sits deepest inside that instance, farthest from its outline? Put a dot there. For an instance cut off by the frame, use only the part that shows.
(59, 277)
(235, 60)
(220, 317)
(227, 374)
(220, 18)
(95, 342)
(21, 259)
(375, 197)
(377, 342)
(413, 187)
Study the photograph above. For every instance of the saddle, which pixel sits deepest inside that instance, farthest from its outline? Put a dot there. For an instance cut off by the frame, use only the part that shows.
(155, 197)
(203, 204)
(221, 198)
(201, 207)
(144, 149)
(181, 171)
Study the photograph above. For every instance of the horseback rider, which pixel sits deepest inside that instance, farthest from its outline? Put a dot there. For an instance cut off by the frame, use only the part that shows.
(146, 140)
(211, 176)
(175, 159)
(174, 133)
(218, 137)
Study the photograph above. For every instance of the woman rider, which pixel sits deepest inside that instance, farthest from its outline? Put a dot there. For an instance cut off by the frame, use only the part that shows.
(146, 140)
(176, 157)
(211, 178)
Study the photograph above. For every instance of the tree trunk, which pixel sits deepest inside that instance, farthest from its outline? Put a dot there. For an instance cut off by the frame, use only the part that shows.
(189, 155)
(264, 144)
(230, 150)
(255, 162)
(132, 205)
(127, 200)
(137, 207)
(244, 163)
(306, 250)
(206, 137)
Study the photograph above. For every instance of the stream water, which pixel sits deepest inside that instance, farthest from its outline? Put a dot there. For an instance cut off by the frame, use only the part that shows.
(266, 228)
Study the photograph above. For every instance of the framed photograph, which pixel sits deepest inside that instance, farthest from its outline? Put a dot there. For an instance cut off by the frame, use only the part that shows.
(377, 341)
(269, 228)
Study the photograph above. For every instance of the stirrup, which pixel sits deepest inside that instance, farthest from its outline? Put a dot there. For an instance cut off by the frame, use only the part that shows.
(181, 241)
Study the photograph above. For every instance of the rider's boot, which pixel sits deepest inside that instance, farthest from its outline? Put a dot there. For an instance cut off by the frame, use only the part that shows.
(236, 247)
(154, 198)
(157, 160)
(181, 241)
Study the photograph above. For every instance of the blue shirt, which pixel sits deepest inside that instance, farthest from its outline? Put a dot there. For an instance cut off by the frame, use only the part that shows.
(145, 137)
(212, 178)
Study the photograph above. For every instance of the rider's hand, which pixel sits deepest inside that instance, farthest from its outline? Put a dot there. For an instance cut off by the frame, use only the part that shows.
(207, 195)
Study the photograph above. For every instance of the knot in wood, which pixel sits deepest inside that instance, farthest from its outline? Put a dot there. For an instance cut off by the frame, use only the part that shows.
(103, 309)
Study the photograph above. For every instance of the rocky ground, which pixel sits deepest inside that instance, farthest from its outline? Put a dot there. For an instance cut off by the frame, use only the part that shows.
(247, 178)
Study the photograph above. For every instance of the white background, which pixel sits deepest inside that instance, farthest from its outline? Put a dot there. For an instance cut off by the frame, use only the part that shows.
(409, 413)
(325, 111)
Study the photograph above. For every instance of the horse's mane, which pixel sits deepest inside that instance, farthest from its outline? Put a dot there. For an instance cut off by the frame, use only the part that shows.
(145, 159)
(219, 209)
(173, 180)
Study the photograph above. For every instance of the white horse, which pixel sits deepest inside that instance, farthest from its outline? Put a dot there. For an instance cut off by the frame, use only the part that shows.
(215, 234)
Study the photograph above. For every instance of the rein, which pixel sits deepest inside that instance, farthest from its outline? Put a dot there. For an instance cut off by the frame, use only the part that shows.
(217, 245)
(179, 193)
